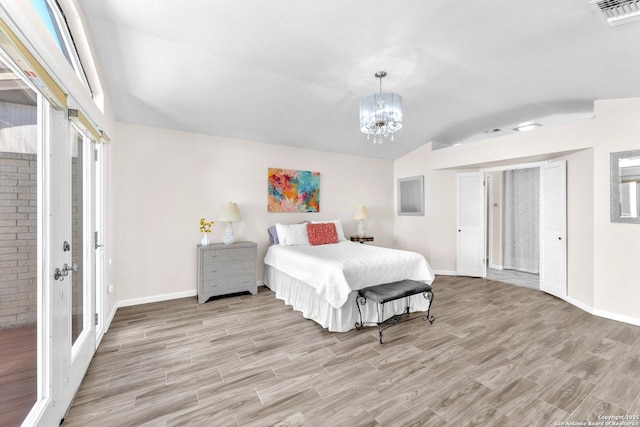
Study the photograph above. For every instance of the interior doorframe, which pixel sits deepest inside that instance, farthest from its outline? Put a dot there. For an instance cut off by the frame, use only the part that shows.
(504, 168)
(490, 201)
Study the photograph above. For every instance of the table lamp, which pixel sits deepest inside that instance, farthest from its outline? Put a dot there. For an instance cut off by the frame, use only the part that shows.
(229, 213)
(361, 214)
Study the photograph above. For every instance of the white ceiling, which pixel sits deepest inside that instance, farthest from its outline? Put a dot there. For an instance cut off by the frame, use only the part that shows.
(292, 72)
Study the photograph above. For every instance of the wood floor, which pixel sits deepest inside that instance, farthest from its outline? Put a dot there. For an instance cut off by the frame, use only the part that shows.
(497, 355)
(514, 277)
(18, 375)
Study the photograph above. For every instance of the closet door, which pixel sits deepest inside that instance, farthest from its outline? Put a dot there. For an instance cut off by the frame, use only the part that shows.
(553, 229)
(470, 253)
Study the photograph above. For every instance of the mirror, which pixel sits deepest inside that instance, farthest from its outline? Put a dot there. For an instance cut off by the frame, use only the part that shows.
(411, 196)
(625, 186)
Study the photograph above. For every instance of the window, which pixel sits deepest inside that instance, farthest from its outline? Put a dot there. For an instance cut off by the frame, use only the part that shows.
(54, 20)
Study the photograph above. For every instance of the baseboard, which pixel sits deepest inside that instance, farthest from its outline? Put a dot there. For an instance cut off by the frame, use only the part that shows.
(445, 272)
(157, 298)
(496, 267)
(618, 317)
(162, 297)
(603, 313)
(111, 316)
(579, 304)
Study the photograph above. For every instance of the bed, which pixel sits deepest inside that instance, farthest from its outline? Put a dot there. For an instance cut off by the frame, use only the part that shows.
(322, 280)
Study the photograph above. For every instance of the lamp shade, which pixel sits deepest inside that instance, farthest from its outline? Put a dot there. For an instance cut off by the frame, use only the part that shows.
(230, 213)
(381, 113)
(361, 212)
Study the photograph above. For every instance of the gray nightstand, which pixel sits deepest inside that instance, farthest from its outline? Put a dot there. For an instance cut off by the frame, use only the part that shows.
(226, 269)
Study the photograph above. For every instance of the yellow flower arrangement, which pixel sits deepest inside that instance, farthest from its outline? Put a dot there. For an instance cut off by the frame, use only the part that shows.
(205, 227)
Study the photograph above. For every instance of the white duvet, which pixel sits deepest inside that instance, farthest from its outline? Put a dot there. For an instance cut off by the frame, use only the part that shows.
(337, 269)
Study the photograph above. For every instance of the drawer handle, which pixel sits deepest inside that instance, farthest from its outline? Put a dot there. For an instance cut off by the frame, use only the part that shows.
(245, 280)
(214, 270)
(246, 253)
(245, 267)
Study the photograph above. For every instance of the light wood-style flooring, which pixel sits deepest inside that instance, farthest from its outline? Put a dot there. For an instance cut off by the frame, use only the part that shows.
(513, 277)
(18, 374)
(497, 355)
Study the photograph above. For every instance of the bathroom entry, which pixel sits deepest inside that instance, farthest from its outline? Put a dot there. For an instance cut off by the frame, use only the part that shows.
(513, 226)
(472, 253)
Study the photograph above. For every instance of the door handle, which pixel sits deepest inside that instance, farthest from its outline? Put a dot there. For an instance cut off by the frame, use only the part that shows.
(59, 274)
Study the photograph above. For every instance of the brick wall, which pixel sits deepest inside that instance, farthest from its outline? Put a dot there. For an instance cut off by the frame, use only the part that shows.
(18, 244)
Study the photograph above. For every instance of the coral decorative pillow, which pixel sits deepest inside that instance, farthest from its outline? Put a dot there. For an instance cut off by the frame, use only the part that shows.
(338, 225)
(322, 234)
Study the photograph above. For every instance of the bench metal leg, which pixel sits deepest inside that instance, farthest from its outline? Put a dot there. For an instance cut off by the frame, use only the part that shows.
(428, 317)
(360, 300)
(395, 319)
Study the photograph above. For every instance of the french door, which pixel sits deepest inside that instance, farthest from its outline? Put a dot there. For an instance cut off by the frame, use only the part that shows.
(72, 256)
(48, 210)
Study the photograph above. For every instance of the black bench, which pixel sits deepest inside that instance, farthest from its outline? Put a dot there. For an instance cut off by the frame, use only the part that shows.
(387, 292)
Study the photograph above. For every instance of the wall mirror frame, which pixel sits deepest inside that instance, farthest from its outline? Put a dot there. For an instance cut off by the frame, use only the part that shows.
(625, 187)
(411, 196)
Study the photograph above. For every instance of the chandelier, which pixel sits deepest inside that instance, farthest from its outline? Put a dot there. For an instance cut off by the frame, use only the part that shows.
(381, 113)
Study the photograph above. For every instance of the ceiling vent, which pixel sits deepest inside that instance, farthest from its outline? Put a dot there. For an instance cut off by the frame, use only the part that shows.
(618, 12)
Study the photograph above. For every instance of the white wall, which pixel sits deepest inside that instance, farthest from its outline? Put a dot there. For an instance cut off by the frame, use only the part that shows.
(409, 231)
(603, 270)
(164, 181)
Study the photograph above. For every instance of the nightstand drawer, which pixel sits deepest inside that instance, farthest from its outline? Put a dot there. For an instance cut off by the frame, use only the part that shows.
(213, 256)
(226, 284)
(228, 268)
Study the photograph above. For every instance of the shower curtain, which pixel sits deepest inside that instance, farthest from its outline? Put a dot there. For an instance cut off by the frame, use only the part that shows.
(522, 220)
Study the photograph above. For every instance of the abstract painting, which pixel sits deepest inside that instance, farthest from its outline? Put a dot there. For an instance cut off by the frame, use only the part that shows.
(293, 191)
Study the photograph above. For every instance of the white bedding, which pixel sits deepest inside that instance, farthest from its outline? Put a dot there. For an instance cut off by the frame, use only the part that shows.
(335, 270)
(303, 298)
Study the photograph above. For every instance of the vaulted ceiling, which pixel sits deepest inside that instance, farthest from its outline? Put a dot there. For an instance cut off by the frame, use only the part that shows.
(292, 72)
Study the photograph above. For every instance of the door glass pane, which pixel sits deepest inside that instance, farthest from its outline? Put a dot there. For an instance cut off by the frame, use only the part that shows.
(77, 287)
(18, 246)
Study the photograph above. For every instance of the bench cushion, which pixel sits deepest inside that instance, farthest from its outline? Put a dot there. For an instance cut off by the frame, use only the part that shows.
(392, 291)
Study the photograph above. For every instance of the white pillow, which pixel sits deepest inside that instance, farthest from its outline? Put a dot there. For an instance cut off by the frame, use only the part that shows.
(339, 230)
(292, 235)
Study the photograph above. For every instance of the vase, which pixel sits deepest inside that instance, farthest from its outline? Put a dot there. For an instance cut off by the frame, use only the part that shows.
(205, 240)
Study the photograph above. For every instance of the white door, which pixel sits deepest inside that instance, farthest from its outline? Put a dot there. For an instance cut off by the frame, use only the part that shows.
(470, 253)
(72, 258)
(553, 229)
(98, 239)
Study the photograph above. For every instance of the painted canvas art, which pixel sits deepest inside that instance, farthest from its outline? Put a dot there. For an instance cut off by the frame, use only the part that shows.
(293, 191)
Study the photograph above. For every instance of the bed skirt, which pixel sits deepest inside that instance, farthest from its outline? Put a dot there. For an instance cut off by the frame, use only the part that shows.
(303, 298)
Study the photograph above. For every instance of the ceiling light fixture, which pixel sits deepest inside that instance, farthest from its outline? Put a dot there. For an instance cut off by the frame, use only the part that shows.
(494, 130)
(525, 127)
(381, 113)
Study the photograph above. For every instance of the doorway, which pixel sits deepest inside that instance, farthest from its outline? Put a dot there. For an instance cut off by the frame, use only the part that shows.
(513, 226)
(47, 255)
(471, 247)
